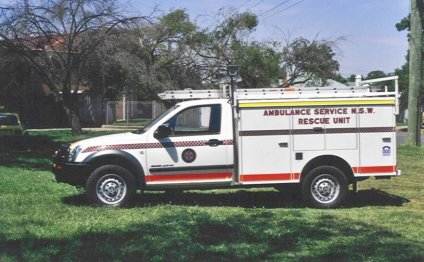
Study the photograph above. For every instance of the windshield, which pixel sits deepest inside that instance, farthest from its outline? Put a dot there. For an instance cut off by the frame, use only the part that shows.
(8, 120)
(154, 121)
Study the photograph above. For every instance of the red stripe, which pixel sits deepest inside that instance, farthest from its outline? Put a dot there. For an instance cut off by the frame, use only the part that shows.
(181, 177)
(296, 176)
(266, 177)
(374, 169)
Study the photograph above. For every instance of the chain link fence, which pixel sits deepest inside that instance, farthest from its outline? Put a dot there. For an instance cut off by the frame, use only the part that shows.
(132, 113)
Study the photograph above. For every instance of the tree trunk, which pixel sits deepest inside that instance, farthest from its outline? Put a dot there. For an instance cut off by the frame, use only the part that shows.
(415, 62)
(74, 120)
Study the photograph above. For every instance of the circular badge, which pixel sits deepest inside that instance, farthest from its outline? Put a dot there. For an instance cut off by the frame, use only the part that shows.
(188, 155)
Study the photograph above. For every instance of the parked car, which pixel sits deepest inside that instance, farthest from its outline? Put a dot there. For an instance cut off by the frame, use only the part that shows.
(11, 129)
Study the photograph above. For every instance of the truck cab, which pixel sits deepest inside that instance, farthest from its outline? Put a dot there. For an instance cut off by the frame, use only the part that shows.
(189, 145)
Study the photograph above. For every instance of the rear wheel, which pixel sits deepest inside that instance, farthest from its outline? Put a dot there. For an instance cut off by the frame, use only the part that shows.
(324, 187)
(111, 186)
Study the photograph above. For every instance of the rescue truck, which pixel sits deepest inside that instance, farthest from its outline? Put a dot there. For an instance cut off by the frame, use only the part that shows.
(318, 140)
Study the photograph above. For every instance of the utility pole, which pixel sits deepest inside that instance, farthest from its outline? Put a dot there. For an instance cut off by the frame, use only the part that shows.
(415, 64)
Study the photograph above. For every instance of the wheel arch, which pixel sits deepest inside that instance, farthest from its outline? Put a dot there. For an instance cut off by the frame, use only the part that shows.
(328, 160)
(120, 158)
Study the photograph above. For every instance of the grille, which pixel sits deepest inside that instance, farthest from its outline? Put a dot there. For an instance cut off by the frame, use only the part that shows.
(61, 155)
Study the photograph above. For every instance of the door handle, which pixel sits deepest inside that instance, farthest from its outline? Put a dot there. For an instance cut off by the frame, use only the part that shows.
(214, 142)
(318, 129)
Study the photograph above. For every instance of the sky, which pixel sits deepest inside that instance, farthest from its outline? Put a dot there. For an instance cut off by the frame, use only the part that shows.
(365, 30)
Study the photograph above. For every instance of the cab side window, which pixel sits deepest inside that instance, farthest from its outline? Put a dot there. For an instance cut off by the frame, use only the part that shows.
(197, 120)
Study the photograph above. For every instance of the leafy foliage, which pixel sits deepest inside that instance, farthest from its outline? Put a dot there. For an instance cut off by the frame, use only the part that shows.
(403, 74)
(259, 65)
(220, 46)
(404, 24)
(304, 60)
(164, 54)
(375, 74)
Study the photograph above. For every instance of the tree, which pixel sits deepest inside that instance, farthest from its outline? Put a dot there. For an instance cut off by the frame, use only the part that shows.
(56, 37)
(403, 74)
(175, 54)
(351, 78)
(375, 74)
(264, 63)
(339, 78)
(403, 71)
(224, 44)
(145, 60)
(164, 52)
(304, 60)
(259, 64)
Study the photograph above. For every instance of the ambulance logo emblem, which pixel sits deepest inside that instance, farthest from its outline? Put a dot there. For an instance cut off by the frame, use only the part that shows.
(188, 155)
(387, 151)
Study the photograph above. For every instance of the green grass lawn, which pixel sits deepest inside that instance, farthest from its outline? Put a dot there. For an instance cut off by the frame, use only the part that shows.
(44, 221)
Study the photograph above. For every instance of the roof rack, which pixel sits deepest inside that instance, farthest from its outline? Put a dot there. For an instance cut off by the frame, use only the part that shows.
(193, 94)
(362, 88)
(265, 93)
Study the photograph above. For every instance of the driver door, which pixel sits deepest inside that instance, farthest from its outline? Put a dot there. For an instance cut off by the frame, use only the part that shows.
(194, 152)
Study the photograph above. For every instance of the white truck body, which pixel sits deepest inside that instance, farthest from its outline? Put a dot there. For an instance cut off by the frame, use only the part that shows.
(291, 134)
(264, 137)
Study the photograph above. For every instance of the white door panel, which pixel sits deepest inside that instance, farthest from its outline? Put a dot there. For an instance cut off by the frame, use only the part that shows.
(308, 130)
(264, 150)
(196, 152)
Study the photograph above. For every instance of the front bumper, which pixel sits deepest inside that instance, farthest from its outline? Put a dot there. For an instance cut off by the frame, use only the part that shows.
(75, 174)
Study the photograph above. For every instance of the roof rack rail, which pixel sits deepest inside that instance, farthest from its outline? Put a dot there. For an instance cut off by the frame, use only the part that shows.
(362, 88)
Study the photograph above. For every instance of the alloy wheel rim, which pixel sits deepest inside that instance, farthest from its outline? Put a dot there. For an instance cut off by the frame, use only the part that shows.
(325, 189)
(111, 189)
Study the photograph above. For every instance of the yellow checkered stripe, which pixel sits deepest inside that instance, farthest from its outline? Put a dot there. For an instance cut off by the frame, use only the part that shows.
(288, 103)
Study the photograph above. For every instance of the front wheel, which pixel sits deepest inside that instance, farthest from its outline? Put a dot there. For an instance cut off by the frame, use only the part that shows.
(324, 187)
(111, 186)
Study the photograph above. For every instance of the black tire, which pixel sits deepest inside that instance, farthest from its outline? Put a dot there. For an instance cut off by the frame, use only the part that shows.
(324, 187)
(111, 186)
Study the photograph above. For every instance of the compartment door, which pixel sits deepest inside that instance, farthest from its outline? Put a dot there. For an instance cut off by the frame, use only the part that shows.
(309, 128)
(264, 148)
(341, 133)
(377, 141)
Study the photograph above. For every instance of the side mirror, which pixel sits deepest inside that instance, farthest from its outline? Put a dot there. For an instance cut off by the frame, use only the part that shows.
(163, 131)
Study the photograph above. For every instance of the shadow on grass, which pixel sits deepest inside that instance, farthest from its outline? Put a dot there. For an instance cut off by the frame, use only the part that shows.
(37, 149)
(248, 199)
(175, 234)
(374, 197)
(35, 153)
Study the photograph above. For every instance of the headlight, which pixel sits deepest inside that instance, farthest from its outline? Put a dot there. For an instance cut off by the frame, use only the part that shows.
(74, 153)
